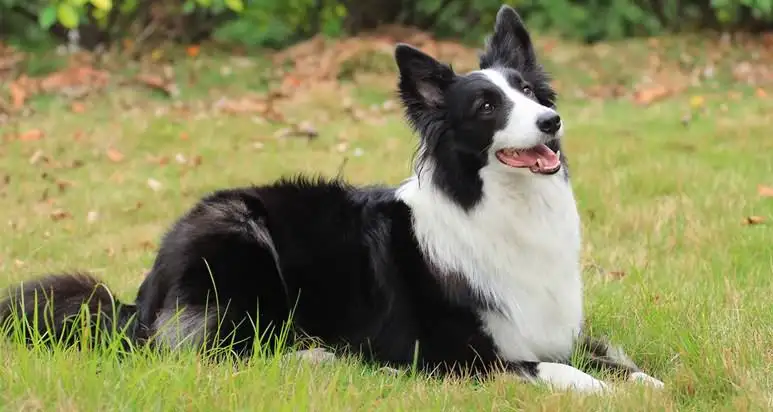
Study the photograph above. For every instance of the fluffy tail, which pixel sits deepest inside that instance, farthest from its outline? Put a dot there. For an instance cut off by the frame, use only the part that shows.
(67, 309)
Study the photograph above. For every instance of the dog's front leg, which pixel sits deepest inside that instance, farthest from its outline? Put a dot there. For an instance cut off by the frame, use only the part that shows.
(557, 375)
(602, 355)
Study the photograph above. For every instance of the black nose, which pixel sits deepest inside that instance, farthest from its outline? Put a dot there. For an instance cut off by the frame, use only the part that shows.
(549, 123)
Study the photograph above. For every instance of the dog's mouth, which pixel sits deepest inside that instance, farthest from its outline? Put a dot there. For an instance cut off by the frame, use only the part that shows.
(539, 159)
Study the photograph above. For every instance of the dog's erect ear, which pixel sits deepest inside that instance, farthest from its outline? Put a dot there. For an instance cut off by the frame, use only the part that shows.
(423, 80)
(510, 45)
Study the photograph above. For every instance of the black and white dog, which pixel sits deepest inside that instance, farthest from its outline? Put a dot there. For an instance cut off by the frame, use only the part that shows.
(472, 265)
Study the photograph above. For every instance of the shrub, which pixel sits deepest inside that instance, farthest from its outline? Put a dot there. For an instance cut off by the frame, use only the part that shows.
(276, 23)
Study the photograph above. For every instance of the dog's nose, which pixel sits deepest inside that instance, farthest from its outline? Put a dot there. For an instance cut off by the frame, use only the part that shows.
(549, 123)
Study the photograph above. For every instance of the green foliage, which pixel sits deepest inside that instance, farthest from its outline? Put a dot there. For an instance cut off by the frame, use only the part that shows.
(277, 23)
(274, 23)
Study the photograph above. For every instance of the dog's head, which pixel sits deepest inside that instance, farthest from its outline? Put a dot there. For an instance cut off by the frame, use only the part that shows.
(501, 116)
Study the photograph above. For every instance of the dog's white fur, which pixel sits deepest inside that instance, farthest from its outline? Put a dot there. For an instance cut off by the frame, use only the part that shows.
(521, 131)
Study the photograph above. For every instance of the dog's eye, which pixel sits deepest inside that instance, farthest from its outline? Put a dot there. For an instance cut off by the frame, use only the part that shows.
(487, 108)
(527, 91)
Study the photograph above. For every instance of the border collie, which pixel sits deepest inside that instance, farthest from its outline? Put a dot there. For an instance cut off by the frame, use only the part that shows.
(471, 265)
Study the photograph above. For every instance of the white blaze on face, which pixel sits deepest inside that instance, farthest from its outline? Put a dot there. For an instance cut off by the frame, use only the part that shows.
(521, 131)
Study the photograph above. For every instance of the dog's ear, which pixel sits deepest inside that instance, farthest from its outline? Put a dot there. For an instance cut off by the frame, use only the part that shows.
(423, 80)
(510, 45)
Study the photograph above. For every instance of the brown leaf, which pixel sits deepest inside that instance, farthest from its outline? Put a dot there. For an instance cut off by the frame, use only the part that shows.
(616, 274)
(651, 94)
(77, 107)
(761, 93)
(31, 135)
(765, 191)
(59, 214)
(114, 155)
(158, 83)
(63, 185)
(18, 95)
(754, 220)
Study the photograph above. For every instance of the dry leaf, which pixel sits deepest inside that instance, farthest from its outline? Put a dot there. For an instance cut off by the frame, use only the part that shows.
(92, 216)
(59, 214)
(31, 135)
(754, 220)
(761, 93)
(77, 107)
(18, 95)
(193, 50)
(114, 155)
(696, 102)
(651, 94)
(616, 274)
(158, 83)
(63, 185)
(765, 191)
(154, 184)
(37, 157)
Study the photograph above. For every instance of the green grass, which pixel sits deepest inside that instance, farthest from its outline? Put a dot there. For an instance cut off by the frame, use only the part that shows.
(662, 202)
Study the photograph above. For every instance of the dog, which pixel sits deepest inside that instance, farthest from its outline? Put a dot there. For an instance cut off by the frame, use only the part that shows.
(472, 265)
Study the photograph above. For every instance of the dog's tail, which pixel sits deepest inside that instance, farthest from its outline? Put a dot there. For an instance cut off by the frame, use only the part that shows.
(67, 309)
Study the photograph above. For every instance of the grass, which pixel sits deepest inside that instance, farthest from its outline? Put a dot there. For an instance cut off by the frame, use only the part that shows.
(673, 274)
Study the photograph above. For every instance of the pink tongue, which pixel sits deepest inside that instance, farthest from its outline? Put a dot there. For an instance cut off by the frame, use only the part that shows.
(539, 158)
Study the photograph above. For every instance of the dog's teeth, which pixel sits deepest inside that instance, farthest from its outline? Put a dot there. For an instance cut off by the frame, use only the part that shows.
(558, 154)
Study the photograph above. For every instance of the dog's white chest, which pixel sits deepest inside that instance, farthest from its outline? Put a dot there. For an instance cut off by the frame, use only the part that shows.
(519, 248)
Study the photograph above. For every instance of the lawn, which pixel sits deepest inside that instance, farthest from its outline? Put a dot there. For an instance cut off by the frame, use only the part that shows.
(670, 180)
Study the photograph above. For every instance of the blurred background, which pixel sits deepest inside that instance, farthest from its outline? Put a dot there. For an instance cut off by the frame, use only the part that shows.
(279, 23)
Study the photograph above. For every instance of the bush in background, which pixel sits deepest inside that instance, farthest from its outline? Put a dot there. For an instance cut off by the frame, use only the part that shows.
(277, 23)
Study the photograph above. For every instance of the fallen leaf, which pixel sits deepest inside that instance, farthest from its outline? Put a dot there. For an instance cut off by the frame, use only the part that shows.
(154, 184)
(114, 155)
(92, 216)
(63, 185)
(59, 214)
(761, 93)
(31, 135)
(158, 83)
(37, 157)
(765, 191)
(77, 107)
(193, 50)
(754, 220)
(651, 94)
(18, 95)
(696, 102)
(183, 136)
(616, 274)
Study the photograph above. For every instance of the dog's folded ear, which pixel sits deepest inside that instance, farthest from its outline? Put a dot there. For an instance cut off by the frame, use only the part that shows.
(510, 45)
(423, 80)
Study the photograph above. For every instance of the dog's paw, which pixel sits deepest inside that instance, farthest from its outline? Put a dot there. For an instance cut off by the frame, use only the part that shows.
(564, 377)
(643, 378)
